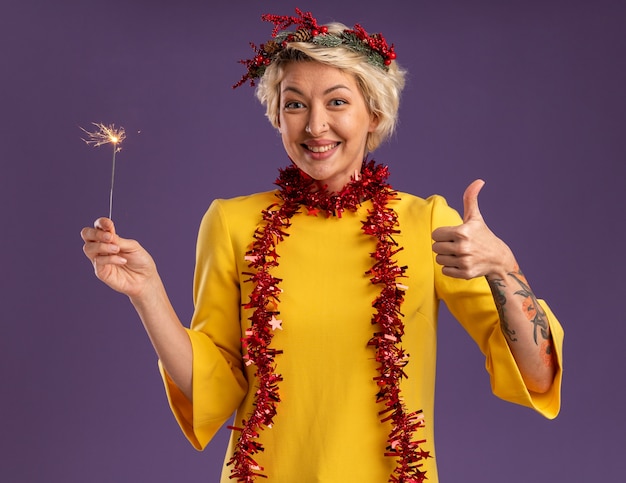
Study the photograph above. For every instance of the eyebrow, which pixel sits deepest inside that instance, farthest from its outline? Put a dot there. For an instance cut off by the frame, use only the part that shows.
(327, 91)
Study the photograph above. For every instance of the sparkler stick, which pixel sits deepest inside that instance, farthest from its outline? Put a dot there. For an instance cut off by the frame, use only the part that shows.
(107, 135)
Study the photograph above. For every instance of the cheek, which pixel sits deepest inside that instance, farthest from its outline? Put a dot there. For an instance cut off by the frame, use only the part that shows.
(355, 127)
(283, 127)
(286, 133)
(289, 142)
(291, 128)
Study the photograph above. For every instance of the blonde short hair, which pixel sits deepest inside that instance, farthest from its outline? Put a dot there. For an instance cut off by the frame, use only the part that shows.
(381, 89)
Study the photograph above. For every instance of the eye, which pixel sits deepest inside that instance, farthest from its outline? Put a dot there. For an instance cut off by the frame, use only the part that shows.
(338, 102)
(294, 105)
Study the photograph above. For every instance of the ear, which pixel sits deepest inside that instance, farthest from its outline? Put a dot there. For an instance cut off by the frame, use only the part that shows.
(374, 122)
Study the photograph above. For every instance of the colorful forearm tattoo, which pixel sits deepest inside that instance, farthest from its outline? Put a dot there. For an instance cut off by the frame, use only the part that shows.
(533, 311)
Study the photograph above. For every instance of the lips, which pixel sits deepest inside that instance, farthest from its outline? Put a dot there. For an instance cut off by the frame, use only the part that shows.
(321, 149)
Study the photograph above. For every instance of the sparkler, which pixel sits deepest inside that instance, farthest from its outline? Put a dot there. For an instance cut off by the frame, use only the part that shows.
(107, 135)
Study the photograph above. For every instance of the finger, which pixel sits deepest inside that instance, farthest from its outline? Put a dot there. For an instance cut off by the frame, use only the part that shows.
(443, 248)
(444, 234)
(105, 224)
(101, 261)
(456, 272)
(470, 201)
(95, 249)
(447, 260)
(89, 234)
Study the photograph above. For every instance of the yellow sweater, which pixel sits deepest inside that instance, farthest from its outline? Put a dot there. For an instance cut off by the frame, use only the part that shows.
(327, 429)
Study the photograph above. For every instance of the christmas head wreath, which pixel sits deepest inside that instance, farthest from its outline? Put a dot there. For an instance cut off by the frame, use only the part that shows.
(373, 46)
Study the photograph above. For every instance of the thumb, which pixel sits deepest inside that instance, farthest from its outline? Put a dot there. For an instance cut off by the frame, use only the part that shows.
(470, 201)
(105, 224)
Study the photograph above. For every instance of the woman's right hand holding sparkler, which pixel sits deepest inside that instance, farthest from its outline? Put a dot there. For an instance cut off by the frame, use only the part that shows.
(125, 266)
(122, 264)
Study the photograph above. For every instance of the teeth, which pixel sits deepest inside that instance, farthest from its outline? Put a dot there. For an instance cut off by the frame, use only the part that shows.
(321, 149)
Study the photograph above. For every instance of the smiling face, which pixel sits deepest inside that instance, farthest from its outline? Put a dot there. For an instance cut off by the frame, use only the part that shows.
(324, 122)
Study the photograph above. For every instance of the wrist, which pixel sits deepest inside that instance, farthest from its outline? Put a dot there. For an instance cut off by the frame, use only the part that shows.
(149, 294)
(507, 265)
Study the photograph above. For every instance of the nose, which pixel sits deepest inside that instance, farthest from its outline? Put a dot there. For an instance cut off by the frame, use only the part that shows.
(317, 124)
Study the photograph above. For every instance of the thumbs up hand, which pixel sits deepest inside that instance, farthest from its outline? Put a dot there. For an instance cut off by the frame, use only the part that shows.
(471, 249)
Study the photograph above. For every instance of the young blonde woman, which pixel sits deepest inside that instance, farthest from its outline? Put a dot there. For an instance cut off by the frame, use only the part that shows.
(316, 304)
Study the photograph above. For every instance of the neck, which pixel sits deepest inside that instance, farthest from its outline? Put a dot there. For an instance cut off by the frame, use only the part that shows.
(336, 187)
(296, 186)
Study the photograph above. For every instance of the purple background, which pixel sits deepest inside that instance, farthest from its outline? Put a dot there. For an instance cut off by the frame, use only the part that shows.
(527, 94)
